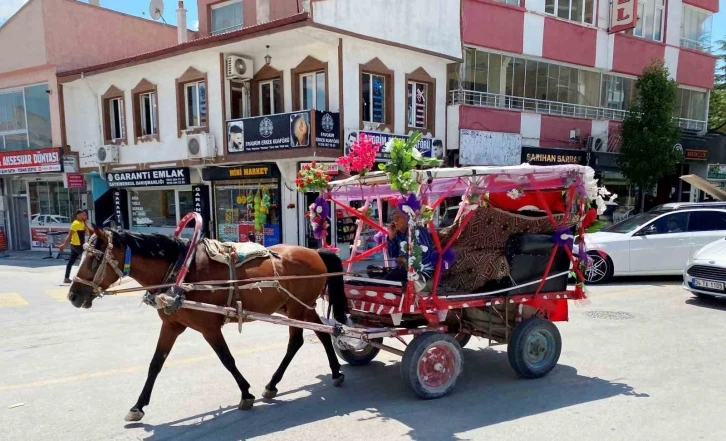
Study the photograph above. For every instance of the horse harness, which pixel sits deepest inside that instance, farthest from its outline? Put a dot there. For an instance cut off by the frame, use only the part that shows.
(106, 258)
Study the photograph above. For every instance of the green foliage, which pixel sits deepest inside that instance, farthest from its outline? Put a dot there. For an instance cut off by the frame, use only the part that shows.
(404, 158)
(650, 131)
(717, 110)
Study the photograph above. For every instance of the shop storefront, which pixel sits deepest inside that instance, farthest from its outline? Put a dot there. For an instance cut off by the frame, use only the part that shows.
(155, 200)
(306, 237)
(246, 203)
(41, 202)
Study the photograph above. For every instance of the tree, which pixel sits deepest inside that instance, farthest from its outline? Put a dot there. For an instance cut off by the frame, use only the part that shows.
(650, 130)
(717, 110)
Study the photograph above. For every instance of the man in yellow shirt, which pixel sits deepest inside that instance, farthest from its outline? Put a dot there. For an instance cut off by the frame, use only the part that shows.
(76, 237)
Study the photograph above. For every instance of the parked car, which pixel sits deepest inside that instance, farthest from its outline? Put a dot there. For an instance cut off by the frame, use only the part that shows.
(671, 206)
(652, 243)
(48, 219)
(705, 274)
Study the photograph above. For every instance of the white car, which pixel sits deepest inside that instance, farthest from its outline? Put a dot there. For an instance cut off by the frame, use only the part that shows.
(658, 242)
(48, 219)
(705, 274)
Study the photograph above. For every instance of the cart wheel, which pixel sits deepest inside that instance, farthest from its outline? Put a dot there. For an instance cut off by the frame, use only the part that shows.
(431, 364)
(534, 348)
(361, 357)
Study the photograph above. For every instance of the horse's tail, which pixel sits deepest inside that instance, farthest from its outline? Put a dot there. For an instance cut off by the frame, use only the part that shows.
(336, 291)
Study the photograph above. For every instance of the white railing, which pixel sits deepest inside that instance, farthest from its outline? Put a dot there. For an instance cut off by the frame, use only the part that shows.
(509, 102)
(695, 45)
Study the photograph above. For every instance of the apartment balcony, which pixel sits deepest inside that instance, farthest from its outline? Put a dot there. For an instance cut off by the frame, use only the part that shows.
(516, 103)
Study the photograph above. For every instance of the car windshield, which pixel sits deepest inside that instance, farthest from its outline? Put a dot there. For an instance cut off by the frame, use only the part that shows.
(632, 223)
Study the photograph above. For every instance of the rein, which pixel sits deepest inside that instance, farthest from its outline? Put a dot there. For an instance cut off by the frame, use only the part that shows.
(107, 260)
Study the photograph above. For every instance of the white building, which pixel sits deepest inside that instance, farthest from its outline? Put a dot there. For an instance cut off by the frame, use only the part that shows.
(168, 114)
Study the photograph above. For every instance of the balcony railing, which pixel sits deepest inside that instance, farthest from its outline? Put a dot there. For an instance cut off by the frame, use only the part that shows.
(509, 102)
(695, 45)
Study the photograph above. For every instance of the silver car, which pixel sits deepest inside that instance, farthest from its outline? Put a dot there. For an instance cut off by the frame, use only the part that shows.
(705, 274)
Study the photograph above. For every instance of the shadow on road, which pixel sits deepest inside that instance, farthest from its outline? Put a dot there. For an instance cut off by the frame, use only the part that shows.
(645, 281)
(708, 302)
(488, 393)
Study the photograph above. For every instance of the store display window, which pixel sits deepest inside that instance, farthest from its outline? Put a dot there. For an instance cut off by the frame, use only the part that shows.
(248, 210)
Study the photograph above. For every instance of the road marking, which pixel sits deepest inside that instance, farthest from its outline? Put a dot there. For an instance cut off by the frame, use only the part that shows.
(11, 299)
(57, 294)
(131, 369)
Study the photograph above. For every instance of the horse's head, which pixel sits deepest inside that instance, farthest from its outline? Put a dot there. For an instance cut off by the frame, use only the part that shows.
(100, 268)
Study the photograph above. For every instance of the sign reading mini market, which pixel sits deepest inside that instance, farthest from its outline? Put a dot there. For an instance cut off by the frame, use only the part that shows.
(149, 178)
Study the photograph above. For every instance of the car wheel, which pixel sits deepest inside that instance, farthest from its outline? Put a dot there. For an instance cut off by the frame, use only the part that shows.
(601, 269)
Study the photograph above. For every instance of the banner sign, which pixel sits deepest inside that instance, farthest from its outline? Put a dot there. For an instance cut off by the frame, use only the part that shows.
(327, 130)
(272, 132)
(118, 207)
(544, 156)
(331, 168)
(425, 145)
(716, 172)
(149, 178)
(74, 180)
(242, 172)
(31, 161)
(623, 15)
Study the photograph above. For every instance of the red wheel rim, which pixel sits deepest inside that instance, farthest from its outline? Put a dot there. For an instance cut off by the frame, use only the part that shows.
(437, 366)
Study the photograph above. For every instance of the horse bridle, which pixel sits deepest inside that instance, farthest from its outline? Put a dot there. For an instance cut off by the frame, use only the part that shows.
(107, 259)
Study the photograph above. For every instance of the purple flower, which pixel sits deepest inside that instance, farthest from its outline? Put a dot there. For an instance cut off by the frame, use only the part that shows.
(380, 238)
(448, 259)
(320, 226)
(563, 236)
(582, 255)
(410, 201)
(320, 208)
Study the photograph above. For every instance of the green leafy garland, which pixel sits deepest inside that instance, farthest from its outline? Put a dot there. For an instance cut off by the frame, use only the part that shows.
(405, 157)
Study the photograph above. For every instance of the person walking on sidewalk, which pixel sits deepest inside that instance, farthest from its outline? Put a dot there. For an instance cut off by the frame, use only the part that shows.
(76, 237)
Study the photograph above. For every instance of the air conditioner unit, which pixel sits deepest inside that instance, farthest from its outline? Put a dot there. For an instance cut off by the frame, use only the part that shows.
(200, 145)
(107, 154)
(239, 68)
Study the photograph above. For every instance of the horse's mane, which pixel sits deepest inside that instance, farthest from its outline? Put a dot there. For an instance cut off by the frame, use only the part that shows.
(153, 246)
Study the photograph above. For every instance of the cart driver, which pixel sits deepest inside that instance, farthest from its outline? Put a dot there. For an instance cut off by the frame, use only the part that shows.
(398, 233)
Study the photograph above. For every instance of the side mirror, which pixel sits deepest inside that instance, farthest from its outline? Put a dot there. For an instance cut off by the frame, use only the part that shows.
(650, 229)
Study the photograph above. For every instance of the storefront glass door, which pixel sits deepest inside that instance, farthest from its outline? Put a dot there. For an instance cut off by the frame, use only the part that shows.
(155, 211)
(242, 214)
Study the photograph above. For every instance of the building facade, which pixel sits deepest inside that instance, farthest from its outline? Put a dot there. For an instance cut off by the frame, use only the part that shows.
(221, 124)
(542, 76)
(39, 185)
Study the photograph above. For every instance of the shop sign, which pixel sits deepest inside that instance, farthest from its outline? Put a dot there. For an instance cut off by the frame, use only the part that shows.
(70, 164)
(695, 155)
(42, 237)
(623, 15)
(118, 208)
(425, 145)
(74, 180)
(331, 168)
(272, 132)
(149, 178)
(250, 171)
(327, 130)
(544, 156)
(30, 161)
(716, 172)
(479, 147)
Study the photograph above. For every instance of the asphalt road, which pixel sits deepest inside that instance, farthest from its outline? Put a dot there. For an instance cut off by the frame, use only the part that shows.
(652, 371)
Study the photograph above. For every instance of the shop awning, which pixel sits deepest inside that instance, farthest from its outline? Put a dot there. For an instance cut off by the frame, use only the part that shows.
(705, 186)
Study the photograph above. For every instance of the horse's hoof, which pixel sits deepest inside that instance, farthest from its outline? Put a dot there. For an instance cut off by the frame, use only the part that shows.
(337, 382)
(269, 394)
(246, 403)
(134, 415)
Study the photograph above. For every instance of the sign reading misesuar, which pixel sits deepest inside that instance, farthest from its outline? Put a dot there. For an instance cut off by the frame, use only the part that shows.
(149, 178)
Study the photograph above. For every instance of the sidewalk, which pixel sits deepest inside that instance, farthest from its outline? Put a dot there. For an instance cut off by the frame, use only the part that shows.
(34, 256)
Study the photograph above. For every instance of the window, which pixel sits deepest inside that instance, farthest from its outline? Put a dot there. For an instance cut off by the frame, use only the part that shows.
(270, 96)
(416, 98)
(580, 11)
(650, 20)
(669, 224)
(145, 108)
(373, 95)
(696, 28)
(691, 104)
(226, 17)
(116, 113)
(707, 221)
(617, 92)
(114, 116)
(312, 91)
(25, 118)
(148, 113)
(195, 97)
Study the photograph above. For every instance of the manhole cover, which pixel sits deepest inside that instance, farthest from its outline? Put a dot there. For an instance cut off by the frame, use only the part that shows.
(609, 315)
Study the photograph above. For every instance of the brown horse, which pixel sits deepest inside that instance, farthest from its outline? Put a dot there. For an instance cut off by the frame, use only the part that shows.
(151, 256)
